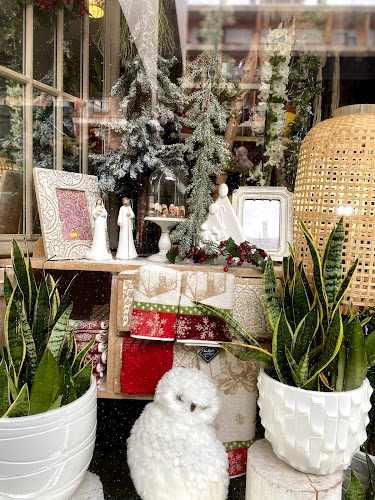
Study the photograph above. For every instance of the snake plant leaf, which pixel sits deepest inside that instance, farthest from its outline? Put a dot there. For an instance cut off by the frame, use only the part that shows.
(370, 349)
(327, 248)
(306, 284)
(33, 287)
(285, 267)
(64, 302)
(12, 387)
(41, 318)
(293, 367)
(250, 353)
(21, 270)
(21, 405)
(341, 368)
(356, 363)
(317, 272)
(371, 473)
(334, 339)
(300, 300)
(303, 368)
(82, 379)
(355, 490)
(238, 331)
(305, 333)
(14, 340)
(77, 364)
(4, 388)
(54, 296)
(29, 341)
(65, 376)
(345, 284)
(57, 335)
(8, 288)
(56, 404)
(282, 338)
(288, 305)
(45, 386)
(274, 304)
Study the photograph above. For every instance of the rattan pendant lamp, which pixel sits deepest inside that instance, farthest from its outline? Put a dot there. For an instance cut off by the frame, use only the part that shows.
(336, 177)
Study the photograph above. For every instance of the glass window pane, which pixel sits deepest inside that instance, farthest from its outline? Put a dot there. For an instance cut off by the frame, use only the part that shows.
(72, 55)
(11, 156)
(71, 135)
(43, 130)
(11, 36)
(44, 53)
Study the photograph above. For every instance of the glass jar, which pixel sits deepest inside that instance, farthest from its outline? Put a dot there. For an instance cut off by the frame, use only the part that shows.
(166, 196)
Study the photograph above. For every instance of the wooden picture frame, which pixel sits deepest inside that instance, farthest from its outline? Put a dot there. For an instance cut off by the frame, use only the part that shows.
(65, 202)
(266, 215)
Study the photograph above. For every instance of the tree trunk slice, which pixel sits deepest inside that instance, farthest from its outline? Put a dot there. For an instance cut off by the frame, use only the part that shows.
(269, 478)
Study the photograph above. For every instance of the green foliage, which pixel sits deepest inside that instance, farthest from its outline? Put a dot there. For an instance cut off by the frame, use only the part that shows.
(36, 371)
(355, 489)
(311, 342)
(207, 151)
(302, 91)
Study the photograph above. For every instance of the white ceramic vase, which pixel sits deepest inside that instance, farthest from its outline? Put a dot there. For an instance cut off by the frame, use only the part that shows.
(45, 456)
(313, 432)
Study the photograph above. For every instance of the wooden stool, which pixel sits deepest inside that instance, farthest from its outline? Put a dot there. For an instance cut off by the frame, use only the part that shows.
(91, 488)
(269, 478)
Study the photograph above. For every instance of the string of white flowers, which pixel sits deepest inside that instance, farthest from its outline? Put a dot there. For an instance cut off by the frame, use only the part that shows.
(274, 75)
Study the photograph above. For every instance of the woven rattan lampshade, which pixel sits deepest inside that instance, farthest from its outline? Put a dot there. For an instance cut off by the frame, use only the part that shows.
(336, 177)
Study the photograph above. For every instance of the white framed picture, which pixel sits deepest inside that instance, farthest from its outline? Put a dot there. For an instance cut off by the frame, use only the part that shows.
(266, 215)
(65, 203)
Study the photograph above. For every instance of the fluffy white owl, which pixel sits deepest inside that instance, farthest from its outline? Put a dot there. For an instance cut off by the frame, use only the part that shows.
(173, 451)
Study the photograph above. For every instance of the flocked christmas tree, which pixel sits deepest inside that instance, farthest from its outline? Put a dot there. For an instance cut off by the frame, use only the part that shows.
(205, 148)
(150, 134)
(145, 130)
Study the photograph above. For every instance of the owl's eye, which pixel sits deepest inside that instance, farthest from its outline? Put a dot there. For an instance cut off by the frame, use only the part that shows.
(179, 398)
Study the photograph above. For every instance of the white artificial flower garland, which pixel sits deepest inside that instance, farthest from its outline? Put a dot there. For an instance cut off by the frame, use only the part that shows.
(274, 75)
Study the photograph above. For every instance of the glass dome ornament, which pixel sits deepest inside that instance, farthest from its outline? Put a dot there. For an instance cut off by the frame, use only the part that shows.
(166, 207)
(166, 196)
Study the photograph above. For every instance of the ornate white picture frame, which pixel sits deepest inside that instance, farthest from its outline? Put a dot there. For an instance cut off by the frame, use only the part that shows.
(266, 215)
(65, 203)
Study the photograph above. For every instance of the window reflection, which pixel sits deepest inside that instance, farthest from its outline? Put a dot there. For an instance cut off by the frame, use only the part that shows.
(11, 157)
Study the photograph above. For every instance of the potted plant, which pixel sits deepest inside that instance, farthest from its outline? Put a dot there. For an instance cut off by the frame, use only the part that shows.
(47, 393)
(313, 393)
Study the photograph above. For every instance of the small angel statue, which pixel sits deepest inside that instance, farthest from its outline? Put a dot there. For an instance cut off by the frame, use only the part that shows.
(99, 249)
(126, 249)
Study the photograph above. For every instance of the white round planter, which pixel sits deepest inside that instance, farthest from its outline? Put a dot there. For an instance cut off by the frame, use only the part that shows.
(313, 432)
(45, 456)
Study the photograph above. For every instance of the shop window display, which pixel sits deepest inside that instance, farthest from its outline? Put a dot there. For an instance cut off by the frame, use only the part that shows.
(166, 103)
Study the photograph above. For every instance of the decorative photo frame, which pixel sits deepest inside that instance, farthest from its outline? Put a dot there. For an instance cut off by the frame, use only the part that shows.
(65, 202)
(266, 215)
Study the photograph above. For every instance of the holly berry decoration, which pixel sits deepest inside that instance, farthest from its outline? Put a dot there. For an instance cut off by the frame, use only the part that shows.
(46, 10)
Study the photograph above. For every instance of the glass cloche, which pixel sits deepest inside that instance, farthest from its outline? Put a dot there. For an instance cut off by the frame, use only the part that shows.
(167, 195)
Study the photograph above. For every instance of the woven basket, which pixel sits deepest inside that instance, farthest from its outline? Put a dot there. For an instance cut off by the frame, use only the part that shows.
(336, 177)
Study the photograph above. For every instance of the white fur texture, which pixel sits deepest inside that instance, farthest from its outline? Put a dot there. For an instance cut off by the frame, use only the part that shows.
(173, 452)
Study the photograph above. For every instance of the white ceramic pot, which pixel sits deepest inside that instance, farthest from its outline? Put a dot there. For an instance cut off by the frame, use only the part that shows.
(314, 432)
(45, 456)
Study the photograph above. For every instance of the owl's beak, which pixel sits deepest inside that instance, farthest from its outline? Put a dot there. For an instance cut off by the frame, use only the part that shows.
(192, 407)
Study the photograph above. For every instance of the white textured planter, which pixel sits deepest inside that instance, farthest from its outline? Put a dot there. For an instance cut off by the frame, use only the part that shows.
(314, 432)
(45, 456)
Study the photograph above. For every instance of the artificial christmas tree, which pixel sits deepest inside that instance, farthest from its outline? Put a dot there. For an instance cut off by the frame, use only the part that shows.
(149, 134)
(207, 150)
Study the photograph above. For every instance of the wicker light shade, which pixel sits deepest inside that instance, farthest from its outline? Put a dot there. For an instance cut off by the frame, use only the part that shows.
(336, 177)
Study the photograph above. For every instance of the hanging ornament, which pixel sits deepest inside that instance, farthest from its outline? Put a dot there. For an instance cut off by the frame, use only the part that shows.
(96, 8)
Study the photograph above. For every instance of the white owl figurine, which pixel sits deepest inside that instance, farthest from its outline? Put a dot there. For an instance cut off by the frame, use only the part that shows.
(173, 451)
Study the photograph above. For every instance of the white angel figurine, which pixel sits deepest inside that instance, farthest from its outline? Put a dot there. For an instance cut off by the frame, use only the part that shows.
(126, 249)
(99, 249)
